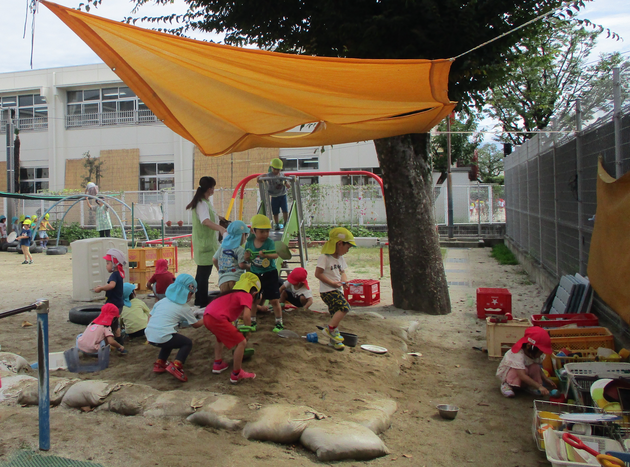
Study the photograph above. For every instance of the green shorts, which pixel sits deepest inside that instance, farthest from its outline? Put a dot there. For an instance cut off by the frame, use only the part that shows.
(335, 301)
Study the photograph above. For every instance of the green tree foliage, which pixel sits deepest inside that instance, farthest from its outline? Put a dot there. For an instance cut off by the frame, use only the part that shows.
(490, 163)
(94, 167)
(548, 72)
(463, 142)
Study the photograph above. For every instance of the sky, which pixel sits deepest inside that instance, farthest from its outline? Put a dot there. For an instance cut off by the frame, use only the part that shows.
(56, 45)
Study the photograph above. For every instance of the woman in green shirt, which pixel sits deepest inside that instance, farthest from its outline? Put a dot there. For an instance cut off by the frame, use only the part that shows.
(204, 236)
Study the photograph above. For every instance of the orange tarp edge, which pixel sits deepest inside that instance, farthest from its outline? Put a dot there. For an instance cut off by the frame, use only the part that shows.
(608, 260)
(227, 99)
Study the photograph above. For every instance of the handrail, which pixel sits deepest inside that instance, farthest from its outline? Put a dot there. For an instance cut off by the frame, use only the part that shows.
(42, 307)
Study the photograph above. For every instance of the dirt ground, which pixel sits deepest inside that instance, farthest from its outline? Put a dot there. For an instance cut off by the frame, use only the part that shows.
(489, 430)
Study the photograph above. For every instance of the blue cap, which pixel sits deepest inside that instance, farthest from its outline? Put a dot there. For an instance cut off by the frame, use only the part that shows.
(178, 291)
(14, 219)
(2, 217)
(128, 289)
(234, 232)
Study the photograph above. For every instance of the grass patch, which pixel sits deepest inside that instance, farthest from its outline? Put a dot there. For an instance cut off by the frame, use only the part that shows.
(503, 255)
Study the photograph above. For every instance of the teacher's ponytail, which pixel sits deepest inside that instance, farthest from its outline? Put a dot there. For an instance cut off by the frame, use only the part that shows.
(205, 183)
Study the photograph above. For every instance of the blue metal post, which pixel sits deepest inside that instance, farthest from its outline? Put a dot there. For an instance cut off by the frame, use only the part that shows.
(44, 383)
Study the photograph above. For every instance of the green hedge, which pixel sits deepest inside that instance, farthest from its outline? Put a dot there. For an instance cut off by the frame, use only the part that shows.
(320, 233)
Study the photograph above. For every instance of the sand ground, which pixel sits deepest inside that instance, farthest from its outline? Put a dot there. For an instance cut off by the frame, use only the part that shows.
(489, 430)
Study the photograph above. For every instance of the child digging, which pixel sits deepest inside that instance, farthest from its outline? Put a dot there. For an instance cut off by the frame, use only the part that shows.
(218, 318)
(295, 290)
(104, 328)
(264, 266)
(135, 313)
(521, 365)
(161, 279)
(25, 241)
(161, 331)
(331, 272)
(229, 259)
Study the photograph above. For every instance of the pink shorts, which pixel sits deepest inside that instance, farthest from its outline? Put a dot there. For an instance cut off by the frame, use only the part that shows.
(533, 371)
(224, 331)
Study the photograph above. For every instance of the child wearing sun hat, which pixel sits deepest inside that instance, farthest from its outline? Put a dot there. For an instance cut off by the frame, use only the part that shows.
(331, 272)
(229, 259)
(521, 365)
(161, 331)
(104, 327)
(295, 289)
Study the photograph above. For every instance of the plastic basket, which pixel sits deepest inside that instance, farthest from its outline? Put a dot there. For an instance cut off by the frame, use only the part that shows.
(556, 449)
(588, 355)
(546, 412)
(582, 376)
(555, 321)
(578, 339)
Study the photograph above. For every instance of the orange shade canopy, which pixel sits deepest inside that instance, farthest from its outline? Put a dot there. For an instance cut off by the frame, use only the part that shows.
(226, 99)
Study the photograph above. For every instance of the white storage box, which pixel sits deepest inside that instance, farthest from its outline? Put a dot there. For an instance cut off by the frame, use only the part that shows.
(88, 266)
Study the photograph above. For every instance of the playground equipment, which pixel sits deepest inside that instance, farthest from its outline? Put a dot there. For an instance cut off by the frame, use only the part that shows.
(295, 224)
(42, 307)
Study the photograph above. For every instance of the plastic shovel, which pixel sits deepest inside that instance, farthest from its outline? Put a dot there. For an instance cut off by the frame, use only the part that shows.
(603, 459)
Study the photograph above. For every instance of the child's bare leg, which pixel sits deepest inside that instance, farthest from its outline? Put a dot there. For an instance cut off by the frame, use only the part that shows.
(306, 302)
(336, 319)
(24, 252)
(275, 219)
(277, 310)
(238, 356)
(285, 215)
(218, 351)
(283, 296)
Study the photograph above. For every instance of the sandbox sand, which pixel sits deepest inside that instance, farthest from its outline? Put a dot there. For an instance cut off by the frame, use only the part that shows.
(489, 430)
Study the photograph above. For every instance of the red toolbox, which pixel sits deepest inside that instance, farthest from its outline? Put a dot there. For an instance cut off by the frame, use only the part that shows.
(363, 292)
(493, 301)
(555, 321)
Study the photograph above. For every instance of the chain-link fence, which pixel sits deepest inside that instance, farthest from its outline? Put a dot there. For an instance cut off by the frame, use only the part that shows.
(551, 190)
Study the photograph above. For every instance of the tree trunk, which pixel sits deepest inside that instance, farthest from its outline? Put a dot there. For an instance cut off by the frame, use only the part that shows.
(418, 278)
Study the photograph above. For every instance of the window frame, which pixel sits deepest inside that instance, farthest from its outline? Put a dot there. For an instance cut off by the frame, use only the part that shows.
(157, 176)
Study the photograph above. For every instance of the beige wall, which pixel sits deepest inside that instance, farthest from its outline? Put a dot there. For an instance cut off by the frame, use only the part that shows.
(121, 170)
(3, 178)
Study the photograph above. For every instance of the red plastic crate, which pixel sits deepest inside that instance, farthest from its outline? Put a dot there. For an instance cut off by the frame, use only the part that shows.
(495, 300)
(555, 321)
(363, 292)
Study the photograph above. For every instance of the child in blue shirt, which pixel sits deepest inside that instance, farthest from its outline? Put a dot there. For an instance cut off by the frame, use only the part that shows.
(229, 259)
(260, 250)
(114, 262)
(25, 241)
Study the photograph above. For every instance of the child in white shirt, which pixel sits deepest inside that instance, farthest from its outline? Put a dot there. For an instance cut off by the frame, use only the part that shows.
(295, 289)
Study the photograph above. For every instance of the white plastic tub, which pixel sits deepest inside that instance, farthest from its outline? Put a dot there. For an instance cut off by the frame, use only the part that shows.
(557, 450)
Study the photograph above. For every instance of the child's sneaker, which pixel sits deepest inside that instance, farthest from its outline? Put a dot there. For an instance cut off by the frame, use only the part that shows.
(178, 372)
(278, 327)
(218, 368)
(507, 390)
(123, 351)
(30, 262)
(334, 335)
(24, 262)
(338, 346)
(160, 366)
(241, 375)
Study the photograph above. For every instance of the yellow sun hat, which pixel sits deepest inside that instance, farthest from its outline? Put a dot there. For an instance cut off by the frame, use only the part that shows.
(46, 216)
(260, 221)
(277, 163)
(27, 222)
(247, 282)
(336, 235)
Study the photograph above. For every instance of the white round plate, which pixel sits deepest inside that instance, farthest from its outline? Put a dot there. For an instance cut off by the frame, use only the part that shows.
(374, 348)
(12, 236)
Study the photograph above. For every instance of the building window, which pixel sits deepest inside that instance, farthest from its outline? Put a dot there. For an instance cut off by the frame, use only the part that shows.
(29, 110)
(302, 164)
(33, 180)
(156, 176)
(106, 106)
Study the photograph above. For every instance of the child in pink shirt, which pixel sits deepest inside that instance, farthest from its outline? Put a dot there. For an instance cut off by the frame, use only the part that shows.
(101, 329)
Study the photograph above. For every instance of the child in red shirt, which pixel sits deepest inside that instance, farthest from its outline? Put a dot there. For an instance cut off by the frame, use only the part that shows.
(219, 316)
(162, 278)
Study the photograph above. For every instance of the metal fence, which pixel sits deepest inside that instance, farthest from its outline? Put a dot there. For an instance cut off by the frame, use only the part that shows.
(551, 191)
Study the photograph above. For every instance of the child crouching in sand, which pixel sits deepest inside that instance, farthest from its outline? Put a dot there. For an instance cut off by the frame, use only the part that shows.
(218, 318)
(161, 279)
(104, 327)
(135, 313)
(295, 289)
(521, 365)
(161, 331)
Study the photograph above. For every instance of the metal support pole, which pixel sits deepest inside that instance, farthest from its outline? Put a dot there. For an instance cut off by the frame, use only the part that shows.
(478, 211)
(9, 129)
(578, 168)
(133, 228)
(44, 383)
(449, 180)
(617, 120)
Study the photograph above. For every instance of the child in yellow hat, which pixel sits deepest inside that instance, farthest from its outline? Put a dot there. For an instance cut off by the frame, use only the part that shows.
(331, 272)
(260, 250)
(44, 227)
(277, 189)
(25, 241)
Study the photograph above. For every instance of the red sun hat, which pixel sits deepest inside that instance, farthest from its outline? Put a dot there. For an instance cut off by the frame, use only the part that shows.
(298, 275)
(536, 336)
(109, 311)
